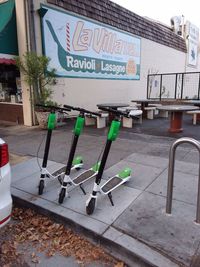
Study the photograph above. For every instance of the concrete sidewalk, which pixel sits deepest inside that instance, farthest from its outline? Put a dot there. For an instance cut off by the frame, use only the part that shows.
(137, 225)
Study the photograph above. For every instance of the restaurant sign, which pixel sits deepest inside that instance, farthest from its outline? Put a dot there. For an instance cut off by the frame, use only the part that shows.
(82, 48)
(192, 33)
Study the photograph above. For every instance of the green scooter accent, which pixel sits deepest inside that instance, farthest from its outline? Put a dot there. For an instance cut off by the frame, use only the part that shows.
(95, 168)
(79, 125)
(114, 130)
(77, 160)
(51, 121)
(124, 173)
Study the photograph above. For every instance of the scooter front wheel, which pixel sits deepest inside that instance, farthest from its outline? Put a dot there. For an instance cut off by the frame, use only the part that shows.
(41, 187)
(62, 195)
(91, 206)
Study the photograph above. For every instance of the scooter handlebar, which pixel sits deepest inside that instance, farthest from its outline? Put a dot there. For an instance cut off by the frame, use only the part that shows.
(121, 113)
(85, 111)
(53, 107)
(69, 108)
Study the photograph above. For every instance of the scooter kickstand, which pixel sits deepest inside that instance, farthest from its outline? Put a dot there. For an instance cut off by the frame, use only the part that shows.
(83, 190)
(110, 198)
(60, 179)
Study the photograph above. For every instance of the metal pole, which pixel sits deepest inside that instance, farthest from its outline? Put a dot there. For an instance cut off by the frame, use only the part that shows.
(198, 199)
(170, 178)
(171, 174)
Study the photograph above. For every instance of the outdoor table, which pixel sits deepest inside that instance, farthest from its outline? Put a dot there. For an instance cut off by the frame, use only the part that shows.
(144, 103)
(113, 106)
(176, 114)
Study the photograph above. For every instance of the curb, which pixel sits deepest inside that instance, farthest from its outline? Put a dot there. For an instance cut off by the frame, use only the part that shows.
(119, 245)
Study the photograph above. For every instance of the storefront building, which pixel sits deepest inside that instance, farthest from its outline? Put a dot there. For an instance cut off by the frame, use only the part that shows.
(10, 90)
(101, 51)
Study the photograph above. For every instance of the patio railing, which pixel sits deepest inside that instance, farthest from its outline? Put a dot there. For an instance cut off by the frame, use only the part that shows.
(184, 85)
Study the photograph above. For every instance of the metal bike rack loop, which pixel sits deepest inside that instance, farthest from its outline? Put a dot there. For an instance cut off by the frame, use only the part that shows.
(171, 174)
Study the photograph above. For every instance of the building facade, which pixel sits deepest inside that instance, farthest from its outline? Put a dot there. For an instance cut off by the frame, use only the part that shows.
(101, 51)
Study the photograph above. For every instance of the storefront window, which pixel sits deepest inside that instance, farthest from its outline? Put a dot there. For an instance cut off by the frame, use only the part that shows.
(10, 85)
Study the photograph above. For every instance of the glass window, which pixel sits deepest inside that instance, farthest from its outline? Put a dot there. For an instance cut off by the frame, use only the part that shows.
(10, 86)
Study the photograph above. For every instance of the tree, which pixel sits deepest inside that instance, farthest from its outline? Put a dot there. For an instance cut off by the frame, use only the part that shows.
(38, 76)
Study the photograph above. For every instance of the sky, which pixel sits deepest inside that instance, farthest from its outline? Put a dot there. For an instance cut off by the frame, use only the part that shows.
(163, 10)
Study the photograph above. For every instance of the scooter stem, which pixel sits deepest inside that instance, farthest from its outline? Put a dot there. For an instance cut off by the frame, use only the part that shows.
(103, 161)
(50, 127)
(112, 135)
(77, 131)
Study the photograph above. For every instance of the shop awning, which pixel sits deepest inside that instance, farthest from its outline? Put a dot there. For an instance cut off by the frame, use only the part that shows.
(8, 32)
(7, 61)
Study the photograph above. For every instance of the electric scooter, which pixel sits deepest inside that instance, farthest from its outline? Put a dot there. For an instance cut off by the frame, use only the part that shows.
(123, 176)
(86, 175)
(77, 162)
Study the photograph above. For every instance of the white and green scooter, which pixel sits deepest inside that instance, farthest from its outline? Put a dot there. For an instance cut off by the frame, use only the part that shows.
(77, 163)
(86, 175)
(117, 180)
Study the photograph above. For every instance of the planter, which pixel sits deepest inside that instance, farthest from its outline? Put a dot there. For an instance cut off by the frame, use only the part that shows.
(42, 118)
(60, 119)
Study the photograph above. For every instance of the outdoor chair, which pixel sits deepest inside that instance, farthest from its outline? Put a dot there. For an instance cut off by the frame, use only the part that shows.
(150, 112)
(128, 122)
(156, 112)
(194, 113)
(100, 122)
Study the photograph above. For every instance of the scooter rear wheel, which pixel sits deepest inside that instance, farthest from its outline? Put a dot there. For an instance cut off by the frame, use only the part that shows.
(91, 206)
(62, 195)
(41, 187)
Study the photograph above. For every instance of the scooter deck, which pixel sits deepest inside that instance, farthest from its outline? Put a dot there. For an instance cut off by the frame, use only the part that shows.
(84, 176)
(59, 171)
(111, 184)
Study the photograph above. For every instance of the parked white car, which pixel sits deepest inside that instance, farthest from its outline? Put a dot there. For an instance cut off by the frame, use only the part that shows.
(5, 180)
